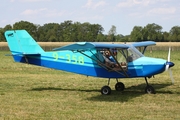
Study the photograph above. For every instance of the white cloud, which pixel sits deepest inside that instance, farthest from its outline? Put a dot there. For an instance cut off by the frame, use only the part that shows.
(3, 21)
(142, 3)
(88, 18)
(88, 4)
(101, 3)
(130, 3)
(33, 12)
(33, 0)
(12, 0)
(127, 3)
(55, 13)
(44, 13)
(92, 5)
(170, 10)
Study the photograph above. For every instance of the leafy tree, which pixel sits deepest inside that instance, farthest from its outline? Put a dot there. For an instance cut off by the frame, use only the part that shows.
(96, 30)
(101, 38)
(112, 33)
(2, 35)
(120, 38)
(30, 27)
(75, 31)
(68, 31)
(175, 34)
(2, 30)
(136, 34)
(49, 32)
(152, 32)
(7, 27)
(165, 37)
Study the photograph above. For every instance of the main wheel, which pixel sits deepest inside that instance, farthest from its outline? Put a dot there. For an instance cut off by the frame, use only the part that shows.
(149, 89)
(119, 86)
(105, 90)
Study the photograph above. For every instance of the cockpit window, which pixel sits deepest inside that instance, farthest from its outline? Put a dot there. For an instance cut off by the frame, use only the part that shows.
(117, 58)
(133, 54)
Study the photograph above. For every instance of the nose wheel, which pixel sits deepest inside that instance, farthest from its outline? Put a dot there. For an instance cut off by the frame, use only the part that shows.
(149, 89)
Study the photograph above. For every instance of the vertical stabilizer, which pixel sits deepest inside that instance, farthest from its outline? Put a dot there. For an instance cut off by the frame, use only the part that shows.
(20, 42)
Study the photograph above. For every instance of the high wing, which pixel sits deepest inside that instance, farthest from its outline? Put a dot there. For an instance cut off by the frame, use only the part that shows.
(90, 45)
(96, 45)
(144, 44)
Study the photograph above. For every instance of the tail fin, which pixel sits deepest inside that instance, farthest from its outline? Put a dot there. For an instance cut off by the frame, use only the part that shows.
(20, 42)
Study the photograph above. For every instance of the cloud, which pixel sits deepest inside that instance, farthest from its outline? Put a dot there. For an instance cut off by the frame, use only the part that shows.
(92, 5)
(3, 21)
(12, 0)
(44, 13)
(130, 3)
(33, 12)
(170, 10)
(55, 13)
(88, 4)
(33, 0)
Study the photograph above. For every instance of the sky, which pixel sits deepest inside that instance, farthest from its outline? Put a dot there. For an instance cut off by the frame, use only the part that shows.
(123, 14)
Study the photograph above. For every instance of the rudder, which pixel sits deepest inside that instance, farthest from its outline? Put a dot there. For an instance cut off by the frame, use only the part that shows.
(21, 42)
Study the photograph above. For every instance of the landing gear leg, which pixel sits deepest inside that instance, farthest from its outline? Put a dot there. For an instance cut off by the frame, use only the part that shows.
(149, 89)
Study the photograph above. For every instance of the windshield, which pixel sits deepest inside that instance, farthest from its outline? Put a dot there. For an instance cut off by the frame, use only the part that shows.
(133, 54)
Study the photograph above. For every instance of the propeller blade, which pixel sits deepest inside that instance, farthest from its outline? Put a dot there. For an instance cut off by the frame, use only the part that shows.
(168, 60)
(171, 76)
(169, 54)
(167, 67)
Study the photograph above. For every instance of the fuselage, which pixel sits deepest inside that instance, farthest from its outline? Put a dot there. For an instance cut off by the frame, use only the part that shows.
(87, 58)
(78, 63)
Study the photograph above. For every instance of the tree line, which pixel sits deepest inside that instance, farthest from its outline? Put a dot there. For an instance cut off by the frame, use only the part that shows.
(69, 31)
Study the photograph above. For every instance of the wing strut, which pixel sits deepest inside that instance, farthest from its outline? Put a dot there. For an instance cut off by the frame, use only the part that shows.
(103, 65)
(144, 49)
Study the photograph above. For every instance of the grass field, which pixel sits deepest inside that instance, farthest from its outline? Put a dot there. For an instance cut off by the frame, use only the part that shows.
(31, 92)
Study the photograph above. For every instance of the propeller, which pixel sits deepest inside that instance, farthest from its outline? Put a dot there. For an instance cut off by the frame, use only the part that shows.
(169, 65)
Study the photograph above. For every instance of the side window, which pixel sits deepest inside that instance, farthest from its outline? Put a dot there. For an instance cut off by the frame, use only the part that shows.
(121, 56)
(100, 56)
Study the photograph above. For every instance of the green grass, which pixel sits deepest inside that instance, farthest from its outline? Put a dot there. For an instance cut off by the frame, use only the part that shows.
(31, 92)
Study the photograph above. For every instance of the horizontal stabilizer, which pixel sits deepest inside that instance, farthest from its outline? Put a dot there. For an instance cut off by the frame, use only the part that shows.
(27, 54)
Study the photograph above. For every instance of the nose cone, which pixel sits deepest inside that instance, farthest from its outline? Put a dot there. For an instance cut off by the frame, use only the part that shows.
(171, 64)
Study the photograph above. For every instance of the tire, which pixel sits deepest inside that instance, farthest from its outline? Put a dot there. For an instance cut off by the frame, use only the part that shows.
(105, 90)
(119, 86)
(149, 89)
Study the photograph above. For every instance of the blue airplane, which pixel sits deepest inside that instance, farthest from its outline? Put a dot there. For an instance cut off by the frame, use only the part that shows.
(105, 60)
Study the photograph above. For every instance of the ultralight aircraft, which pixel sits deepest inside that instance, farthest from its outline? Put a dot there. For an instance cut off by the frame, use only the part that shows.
(105, 60)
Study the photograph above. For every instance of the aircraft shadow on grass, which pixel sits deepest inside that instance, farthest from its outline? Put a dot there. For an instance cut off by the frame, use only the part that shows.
(128, 94)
